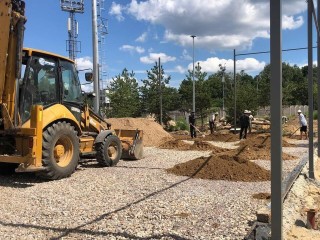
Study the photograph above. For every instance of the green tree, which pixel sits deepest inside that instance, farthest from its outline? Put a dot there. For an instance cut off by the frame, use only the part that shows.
(151, 90)
(245, 96)
(294, 85)
(124, 96)
(202, 93)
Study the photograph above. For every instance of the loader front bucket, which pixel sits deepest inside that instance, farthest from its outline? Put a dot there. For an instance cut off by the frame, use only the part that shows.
(132, 143)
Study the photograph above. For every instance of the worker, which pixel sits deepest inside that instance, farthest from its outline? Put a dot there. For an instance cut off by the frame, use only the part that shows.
(244, 124)
(192, 123)
(303, 124)
(250, 121)
(212, 122)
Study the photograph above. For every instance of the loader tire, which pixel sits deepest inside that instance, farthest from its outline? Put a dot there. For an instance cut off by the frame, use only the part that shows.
(60, 151)
(109, 151)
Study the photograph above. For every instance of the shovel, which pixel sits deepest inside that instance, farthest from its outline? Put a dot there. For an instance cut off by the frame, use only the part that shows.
(203, 135)
(294, 132)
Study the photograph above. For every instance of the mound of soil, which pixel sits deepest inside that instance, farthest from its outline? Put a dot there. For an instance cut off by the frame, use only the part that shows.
(262, 196)
(175, 144)
(222, 137)
(292, 126)
(265, 139)
(230, 168)
(198, 145)
(153, 133)
(258, 147)
(217, 136)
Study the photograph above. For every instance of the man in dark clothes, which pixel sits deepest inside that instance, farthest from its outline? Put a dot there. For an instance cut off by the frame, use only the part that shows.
(244, 124)
(192, 123)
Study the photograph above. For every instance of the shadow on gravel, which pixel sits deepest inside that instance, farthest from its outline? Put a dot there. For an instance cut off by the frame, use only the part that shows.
(93, 233)
(19, 180)
(64, 232)
(300, 223)
(89, 163)
(92, 162)
(151, 168)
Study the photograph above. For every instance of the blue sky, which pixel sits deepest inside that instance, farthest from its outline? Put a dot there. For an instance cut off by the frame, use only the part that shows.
(139, 32)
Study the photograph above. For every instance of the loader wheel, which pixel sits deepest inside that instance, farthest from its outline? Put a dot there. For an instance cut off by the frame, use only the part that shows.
(109, 151)
(60, 151)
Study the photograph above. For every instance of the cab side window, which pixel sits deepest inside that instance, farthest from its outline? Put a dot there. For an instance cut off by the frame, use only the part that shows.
(39, 84)
(41, 81)
(71, 90)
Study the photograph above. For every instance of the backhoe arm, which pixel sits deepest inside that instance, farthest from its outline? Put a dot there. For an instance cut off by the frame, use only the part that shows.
(12, 21)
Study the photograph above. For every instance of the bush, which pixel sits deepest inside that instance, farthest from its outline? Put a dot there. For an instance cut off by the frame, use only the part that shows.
(182, 125)
(315, 115)
(171, 128)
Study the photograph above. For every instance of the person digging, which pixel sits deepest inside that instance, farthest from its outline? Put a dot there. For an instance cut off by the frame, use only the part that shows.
(303, 124)
(244, 124)
(192, 123)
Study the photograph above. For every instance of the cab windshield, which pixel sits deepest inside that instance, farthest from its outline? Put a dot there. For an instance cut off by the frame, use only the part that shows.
(48, 81)
(39, 84)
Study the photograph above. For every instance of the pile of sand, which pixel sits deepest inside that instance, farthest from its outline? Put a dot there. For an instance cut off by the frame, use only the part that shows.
(259, 147)
(198, 145)
(222, 168)
(256, 146)
(153, 133)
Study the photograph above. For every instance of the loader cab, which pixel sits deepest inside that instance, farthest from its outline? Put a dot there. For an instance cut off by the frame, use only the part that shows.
(48, 79)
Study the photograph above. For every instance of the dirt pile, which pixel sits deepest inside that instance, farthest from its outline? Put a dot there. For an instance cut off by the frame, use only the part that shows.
(292, 127)
(224, 137)
(153, 133)
(258, 147)
(217, 136)
(228, 168)
(262, 196)
(175, 144)
(197, 145)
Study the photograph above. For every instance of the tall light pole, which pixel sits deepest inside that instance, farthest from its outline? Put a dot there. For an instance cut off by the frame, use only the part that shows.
(160, 90)
(193, 83)
(95, 58)
(222, 94)
(223, 69)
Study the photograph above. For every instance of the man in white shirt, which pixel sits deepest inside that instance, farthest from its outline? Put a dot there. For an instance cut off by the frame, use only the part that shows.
(303, 124)
(212, 120)
(250, 121)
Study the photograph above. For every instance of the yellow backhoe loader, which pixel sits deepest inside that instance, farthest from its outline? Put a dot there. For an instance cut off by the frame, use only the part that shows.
(44, 125)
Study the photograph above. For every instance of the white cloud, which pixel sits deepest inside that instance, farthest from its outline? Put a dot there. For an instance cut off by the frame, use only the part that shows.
(154, 57)
(180, 69)
(142, 37)
(217, 24)
(250, 65)
(84, 63)
(211, 65)
(289, 22)
(87, 88)
(132, 49)
(186, 55)
(116, 10)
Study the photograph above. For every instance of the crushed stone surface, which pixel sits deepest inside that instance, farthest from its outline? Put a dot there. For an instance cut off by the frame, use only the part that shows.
(144, 200)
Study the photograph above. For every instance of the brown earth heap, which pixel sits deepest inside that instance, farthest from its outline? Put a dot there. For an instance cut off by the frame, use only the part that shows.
(231, 165)
(259, 147)
(262, 196)
(153, 133)
(197, 145)
(225, 167)
(256, 146)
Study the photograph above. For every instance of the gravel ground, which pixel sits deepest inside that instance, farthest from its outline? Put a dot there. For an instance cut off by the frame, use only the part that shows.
(134, 200)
